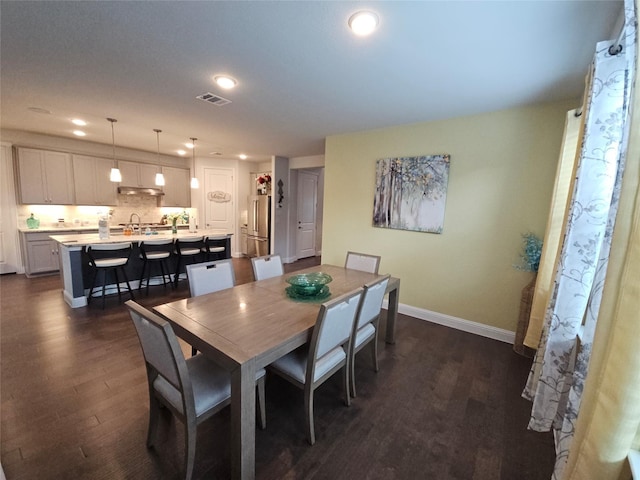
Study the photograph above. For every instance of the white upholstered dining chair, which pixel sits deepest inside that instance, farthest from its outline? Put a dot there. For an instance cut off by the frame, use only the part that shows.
(363, 262)
(267, 266)
(210, 277)
(193, 389)
(326, 353)
(365, 329)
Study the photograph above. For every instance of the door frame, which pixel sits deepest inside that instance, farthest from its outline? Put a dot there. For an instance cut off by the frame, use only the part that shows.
(301, 174)
(10, 257)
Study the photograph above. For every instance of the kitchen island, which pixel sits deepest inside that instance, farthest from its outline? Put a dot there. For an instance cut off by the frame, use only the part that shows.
(75, 270)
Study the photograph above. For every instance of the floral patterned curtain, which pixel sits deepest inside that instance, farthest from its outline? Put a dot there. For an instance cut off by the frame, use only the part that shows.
(557, 376)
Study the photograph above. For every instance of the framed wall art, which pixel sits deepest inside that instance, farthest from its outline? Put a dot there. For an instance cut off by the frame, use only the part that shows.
(411, 193)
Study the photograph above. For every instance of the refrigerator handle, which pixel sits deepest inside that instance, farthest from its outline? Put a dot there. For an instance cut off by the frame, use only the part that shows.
(255, 215)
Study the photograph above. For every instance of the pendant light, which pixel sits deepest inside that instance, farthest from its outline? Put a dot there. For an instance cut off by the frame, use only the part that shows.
(115, 175)
(194, 180)
(159, 175)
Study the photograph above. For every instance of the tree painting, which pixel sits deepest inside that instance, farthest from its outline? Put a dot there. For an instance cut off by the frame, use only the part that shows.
(411, 193)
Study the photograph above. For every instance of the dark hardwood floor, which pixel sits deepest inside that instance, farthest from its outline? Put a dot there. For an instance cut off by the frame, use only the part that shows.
(444, 405)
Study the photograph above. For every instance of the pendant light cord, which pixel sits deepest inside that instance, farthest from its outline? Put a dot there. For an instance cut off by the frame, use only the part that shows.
(113, 140)
(193, 155)
(194, 179)
(158, 140)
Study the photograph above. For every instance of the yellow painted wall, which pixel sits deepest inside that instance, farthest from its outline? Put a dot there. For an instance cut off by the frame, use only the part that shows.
(500, 181)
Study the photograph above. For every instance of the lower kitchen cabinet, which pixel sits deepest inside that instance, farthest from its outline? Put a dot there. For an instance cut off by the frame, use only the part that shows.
(40, 253)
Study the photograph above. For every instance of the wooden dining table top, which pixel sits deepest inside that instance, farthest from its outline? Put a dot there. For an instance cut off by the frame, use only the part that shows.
(255, 320)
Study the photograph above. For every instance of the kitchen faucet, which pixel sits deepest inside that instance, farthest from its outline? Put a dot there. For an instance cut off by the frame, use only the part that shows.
(131, 220)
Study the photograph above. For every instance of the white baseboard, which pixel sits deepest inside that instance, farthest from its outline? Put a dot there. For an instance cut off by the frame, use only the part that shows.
(488, 331)
(291, 259)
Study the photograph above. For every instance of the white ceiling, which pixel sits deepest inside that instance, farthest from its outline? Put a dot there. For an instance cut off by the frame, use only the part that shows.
(301, 73)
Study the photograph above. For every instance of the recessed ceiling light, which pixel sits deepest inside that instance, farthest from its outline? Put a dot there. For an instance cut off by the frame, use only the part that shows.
(242, 156)
(188, 145)
(363, 23)
(225, 81)
(181, 152)
(79, 122)
(215, 153)
(39, 110)
(79, 133)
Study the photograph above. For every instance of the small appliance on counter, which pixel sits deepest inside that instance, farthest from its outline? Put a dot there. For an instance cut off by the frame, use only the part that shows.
(103, 228)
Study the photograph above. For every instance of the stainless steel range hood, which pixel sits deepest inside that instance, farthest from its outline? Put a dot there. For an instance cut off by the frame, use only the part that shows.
(154, 192)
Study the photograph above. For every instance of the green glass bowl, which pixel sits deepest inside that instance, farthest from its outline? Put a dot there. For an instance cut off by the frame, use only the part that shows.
(308, 284)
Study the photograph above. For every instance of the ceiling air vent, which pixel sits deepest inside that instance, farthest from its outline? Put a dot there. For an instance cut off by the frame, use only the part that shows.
(215, 99)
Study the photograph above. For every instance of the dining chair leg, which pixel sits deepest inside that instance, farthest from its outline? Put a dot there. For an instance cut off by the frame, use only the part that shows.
(154, 418)
(352, 377)
(190, 447)
(308, 411)
(262, 414)
(374, 352)
(345, 380)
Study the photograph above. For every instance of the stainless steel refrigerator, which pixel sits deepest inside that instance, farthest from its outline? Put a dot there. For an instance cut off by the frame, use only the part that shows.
(258, 225)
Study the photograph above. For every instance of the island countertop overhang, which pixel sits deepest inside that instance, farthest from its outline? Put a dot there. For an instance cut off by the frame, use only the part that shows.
(80, 240)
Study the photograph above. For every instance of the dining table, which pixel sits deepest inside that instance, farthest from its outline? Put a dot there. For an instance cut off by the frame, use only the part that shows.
(249, 326)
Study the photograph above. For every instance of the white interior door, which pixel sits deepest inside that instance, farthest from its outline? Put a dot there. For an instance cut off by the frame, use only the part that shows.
(307, 203)
(219, 199)
(8, 214)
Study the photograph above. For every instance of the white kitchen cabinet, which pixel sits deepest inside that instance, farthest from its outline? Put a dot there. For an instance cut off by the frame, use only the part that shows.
(177, 190)
(91, 180)
(136, 174)
(45, 177)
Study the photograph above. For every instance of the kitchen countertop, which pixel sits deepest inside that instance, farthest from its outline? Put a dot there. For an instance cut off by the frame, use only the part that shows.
(66, 228)
(82, 239)
(79, 228)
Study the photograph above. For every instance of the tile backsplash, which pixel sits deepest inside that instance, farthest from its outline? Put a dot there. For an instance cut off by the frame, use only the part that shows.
(144, 205)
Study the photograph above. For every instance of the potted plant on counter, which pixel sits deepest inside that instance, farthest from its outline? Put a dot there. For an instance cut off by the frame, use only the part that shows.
(173, 218)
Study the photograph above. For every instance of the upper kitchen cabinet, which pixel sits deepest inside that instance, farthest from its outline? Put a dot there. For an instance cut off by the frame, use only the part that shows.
(45, 177)
(91, 180)
(138, 174)
(177, 192)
